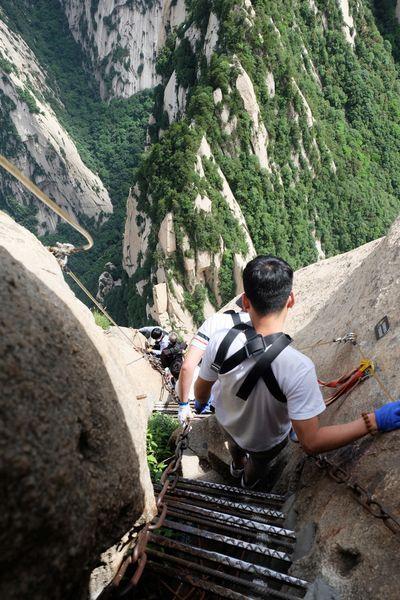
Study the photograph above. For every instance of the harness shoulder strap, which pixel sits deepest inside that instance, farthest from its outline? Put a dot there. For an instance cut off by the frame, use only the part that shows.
(225, 344)
(235, 316)
(254, 345)
(263, 369)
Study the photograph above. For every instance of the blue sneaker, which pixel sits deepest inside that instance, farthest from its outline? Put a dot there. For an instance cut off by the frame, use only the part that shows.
(202, 409)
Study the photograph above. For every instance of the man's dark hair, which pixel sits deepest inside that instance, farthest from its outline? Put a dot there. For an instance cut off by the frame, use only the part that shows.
(267, 282)
(156, 334)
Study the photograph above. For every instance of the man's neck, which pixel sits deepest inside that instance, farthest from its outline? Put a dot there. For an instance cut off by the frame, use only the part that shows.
(268, 324)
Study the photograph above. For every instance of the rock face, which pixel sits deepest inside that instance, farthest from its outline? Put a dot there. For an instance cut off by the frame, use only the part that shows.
(200, 268)
(123, 39)
(73, 453)
(259, 141)
(39, 145)
(351, 550)
(107, 282)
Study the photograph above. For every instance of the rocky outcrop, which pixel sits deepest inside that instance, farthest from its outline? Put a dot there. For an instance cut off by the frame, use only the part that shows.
(38, 144)
(349, 549)
(259, 142)
(73, 428)
(136, 235)
(174, 99)
(123, 39)
(348, 22)
(205, 151)
(211, 37)
(107, 282)
(201, 267)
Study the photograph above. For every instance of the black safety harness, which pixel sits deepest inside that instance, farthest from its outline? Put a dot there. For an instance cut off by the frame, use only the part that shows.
(263, 348)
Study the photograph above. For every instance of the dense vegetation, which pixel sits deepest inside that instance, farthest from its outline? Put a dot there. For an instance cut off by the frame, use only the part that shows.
(388, 25)
(109, 136)
(159, 431)
(336, 179)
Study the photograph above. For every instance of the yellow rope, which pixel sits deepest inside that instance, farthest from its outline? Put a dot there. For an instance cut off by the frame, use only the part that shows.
(378, 379)
(368, 364)
(29, 185)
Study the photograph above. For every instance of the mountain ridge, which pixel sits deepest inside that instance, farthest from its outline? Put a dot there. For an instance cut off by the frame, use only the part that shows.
(299, 106)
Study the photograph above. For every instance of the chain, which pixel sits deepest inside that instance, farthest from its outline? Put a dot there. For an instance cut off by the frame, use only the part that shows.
(137, 558)
(360, 493)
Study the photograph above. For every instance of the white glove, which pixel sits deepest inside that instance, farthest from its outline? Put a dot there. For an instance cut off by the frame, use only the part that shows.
(184, 413)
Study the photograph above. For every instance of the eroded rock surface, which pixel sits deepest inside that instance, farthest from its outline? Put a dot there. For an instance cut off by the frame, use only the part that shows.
(73, 454)
(38, 143)
(351, 553)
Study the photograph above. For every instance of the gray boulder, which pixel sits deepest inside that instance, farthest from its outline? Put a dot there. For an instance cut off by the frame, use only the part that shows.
(351, 554)
(73, 466)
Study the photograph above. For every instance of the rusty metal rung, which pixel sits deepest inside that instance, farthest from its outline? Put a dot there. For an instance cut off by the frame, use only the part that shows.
(220, 502)
(204, 584)
(220, 487)
(235, 520)
(228, 561)
(260, 588)
(211, 524)
(227, 540)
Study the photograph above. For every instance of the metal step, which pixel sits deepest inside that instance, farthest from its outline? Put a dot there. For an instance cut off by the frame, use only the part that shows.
(220, 541)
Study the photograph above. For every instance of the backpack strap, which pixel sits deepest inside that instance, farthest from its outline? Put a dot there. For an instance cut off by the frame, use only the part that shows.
(255, 344)
(262, 369)
(225, 344)
(235, 316)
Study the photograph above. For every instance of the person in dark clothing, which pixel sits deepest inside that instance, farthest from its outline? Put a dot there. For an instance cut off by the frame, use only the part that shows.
(158, 336)
(172, 355)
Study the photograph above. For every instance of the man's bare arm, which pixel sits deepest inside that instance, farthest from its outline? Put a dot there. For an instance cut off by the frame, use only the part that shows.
(192, 359)
(315, 439)
(202, 390)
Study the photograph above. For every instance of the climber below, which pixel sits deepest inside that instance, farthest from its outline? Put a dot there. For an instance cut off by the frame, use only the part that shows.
(172, 356)
(190, 366)
(267, 386)
(158, 336)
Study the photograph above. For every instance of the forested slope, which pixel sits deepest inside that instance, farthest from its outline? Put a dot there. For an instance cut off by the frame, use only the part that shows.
(326, 109)
(109, 135)
(275, 128)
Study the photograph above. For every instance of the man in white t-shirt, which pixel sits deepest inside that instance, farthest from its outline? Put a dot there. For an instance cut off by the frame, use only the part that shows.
(198, 345)
(257, 411)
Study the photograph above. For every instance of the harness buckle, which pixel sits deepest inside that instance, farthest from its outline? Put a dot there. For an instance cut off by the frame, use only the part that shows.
(255, 346)
(215, 367)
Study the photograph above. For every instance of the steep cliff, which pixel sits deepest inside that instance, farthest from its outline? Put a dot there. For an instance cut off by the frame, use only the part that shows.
(54, 78)
(122, 39)
(274, 130)
(32, 135)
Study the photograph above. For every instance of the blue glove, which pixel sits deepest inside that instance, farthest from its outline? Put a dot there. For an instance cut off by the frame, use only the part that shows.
(388, 416)
(202, 409)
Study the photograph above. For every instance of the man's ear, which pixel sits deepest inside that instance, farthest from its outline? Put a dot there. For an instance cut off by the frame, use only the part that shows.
(291, 300)
(245, 302)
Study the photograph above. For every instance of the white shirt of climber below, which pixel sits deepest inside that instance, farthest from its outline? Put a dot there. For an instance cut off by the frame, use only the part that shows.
(214, 324)
(261, 422)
